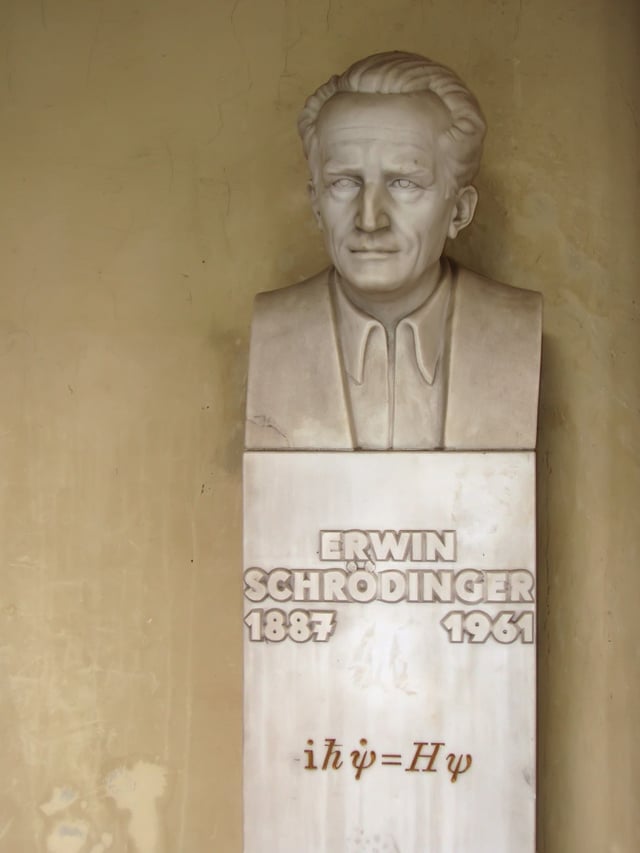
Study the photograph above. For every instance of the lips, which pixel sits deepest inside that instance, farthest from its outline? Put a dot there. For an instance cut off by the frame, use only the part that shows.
(373, 251)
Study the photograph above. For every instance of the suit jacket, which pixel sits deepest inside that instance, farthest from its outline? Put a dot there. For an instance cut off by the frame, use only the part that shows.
(297, 395)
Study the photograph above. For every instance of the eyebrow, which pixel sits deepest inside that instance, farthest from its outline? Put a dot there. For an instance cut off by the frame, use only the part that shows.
(336, 169)
(414, 172)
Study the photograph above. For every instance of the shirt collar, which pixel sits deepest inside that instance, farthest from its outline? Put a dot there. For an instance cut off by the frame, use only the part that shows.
(427, 323)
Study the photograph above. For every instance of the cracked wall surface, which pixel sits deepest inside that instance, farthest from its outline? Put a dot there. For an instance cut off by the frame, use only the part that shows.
(152, 183)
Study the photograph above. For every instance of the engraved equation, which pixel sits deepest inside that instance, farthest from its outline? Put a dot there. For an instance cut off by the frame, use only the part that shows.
(423, 757)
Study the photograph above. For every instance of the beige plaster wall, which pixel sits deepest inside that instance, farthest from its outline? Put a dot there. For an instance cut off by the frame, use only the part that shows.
(151, 184)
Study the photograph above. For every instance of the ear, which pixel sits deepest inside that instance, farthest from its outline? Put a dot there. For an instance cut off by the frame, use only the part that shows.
(313, 198)
(465, 207)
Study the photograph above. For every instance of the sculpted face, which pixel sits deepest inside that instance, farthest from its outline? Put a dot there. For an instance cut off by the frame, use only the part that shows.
(381, 191)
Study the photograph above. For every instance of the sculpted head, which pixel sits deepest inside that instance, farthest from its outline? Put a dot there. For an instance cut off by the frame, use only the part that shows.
(393, 145)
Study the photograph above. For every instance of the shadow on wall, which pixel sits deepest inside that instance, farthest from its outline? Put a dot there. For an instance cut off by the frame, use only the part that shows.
(550, 373)
(482, 246)
(230, 350)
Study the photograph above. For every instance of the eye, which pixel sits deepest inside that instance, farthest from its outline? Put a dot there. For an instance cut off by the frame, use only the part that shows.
(403, 184)
(345, 183)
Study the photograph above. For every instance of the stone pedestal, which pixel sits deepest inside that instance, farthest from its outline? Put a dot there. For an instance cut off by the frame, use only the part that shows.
(389, 652)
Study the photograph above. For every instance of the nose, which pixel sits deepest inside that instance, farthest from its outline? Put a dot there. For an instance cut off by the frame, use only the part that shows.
(372, 214)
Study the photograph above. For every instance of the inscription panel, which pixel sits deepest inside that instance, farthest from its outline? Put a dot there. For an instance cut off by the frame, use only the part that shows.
(389, 627)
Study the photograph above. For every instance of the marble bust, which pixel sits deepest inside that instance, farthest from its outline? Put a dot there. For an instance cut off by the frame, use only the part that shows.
(394, 346)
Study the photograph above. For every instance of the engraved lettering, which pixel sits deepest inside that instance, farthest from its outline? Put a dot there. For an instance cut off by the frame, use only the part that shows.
(355, 545)
(469, 583)
(526, 624)
(389, 545)
(418, 546)
(440, 546)
(309, 753)
(469, 586)
(332, 755)
(477, 626)
(419, 755)
(457, 770)
(324, 624)
(414, 580)
(306, 586)
(330, 545)
(300, 626)
(359, 760)
(497, 586)
(334, 583)
(393, 586)
(425, 756)
(522, 584)
(279, 585)
(255, 587)
(437, 586)
(362, 586)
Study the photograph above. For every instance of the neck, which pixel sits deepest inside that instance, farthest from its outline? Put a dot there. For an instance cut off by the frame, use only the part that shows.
(389, 309)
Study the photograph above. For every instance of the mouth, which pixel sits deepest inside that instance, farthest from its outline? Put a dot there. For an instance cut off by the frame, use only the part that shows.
(373, 254)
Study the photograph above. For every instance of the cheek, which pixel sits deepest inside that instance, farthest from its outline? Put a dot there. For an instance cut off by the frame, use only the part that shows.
(334, 229)
(414, 221)
(329, 217)
(333, 236)
(431, 227)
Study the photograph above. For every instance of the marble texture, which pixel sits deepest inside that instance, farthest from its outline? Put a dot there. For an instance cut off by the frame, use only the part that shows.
(390, 676)
(393, 347)
(298, 398)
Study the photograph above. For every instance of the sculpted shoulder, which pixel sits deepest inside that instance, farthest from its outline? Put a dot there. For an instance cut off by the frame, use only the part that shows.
(295, 394)
(296, 389)
(494, 368)
(488, 295)
(282, 306)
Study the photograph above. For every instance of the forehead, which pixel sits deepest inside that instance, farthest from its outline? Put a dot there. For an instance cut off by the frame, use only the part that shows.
(395, 124)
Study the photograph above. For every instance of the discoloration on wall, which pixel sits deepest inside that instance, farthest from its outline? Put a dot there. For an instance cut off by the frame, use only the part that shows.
(67, 836)
(60, 799)
(82, 822)
(138, 790)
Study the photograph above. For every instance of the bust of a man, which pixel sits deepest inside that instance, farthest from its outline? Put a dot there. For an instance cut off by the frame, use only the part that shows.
(393, 346)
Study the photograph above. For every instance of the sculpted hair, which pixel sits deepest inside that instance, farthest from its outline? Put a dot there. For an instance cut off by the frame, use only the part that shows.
(399, 73)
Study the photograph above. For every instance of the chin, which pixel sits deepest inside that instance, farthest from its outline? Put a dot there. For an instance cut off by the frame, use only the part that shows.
(374, 286)
(379, 276)
(371, 280)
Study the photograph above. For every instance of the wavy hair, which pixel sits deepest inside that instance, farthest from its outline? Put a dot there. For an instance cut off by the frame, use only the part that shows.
(400, 73)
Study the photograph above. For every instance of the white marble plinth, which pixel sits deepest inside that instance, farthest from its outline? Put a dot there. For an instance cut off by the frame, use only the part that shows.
(389, 652)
